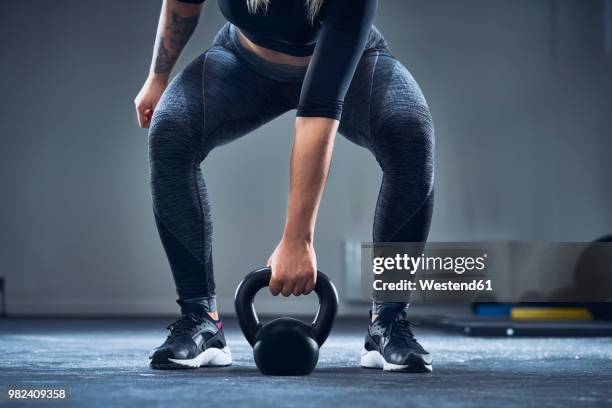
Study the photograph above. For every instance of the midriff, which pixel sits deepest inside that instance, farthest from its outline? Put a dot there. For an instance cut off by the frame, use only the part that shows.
(271, 55)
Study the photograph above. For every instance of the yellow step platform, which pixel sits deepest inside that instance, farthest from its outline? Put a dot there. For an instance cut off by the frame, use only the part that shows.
(550, 313)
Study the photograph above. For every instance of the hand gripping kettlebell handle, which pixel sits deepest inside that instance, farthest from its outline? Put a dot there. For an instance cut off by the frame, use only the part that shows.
(260, 278)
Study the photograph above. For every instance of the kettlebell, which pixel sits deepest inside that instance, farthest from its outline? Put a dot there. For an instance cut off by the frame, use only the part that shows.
(285, 346)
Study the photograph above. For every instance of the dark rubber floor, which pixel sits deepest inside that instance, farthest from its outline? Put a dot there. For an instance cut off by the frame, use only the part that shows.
(104, 363)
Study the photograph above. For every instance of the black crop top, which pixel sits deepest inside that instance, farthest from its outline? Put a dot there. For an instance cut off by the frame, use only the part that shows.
(335, 40)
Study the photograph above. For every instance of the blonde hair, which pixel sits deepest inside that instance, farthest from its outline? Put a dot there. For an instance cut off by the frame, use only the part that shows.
(314, 6)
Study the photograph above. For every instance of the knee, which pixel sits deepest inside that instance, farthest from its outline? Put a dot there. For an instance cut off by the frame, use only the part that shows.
(173, 153)
(171, 138)
(405, 145)
(408, 127)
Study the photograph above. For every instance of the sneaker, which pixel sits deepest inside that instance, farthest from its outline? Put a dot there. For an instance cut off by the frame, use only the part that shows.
(194, 341)
(391, 346)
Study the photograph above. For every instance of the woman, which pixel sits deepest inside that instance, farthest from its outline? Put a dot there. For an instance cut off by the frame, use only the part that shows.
(325, 59)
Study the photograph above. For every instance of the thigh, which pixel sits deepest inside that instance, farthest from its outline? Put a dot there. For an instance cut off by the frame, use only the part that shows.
(386, 112)
(214, 100)
(237, 99)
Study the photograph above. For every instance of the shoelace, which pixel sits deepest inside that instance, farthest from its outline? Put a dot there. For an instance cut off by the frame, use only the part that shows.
(399, 331)
(183, 325)
(401, 328)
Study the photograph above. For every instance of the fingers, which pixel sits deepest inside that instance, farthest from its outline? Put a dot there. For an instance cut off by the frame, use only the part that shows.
(278, 286)
(287, 288)
(141, 117)
(148, 114)
(301, 286)
(144, 113)
(144, 117)
(298, 289)
(275, 286)
(288, 284)
(309, 287)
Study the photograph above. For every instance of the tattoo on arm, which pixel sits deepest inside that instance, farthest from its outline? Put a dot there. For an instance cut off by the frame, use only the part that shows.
(164, 61)
(178, 32)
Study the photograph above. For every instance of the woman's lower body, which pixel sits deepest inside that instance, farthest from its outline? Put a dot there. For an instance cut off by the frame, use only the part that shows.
(228, 92)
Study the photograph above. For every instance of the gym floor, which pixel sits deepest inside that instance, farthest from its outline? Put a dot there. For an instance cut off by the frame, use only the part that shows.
(103, 363)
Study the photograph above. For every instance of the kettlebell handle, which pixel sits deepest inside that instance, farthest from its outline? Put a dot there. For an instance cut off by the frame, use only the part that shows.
(260, 278)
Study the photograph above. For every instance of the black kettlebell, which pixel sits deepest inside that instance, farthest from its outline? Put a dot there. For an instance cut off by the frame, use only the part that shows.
(285, 346)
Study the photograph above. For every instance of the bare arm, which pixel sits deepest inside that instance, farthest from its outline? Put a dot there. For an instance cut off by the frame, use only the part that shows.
(294, 261)
(310, 162)
(177, 21)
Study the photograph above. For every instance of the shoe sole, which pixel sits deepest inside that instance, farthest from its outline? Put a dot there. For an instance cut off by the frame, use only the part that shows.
(416, 364)
(212, 357)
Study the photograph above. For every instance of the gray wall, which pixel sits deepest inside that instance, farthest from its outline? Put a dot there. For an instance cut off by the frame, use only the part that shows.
(520, 91)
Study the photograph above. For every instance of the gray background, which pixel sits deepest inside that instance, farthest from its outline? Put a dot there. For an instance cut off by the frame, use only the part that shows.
(520, 91)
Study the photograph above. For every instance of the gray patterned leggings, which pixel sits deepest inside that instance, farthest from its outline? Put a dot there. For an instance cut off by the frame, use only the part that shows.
(227, 92)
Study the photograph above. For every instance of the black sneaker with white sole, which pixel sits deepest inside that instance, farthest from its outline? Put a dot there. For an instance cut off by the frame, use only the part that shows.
(391, 346)
(194, 341)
